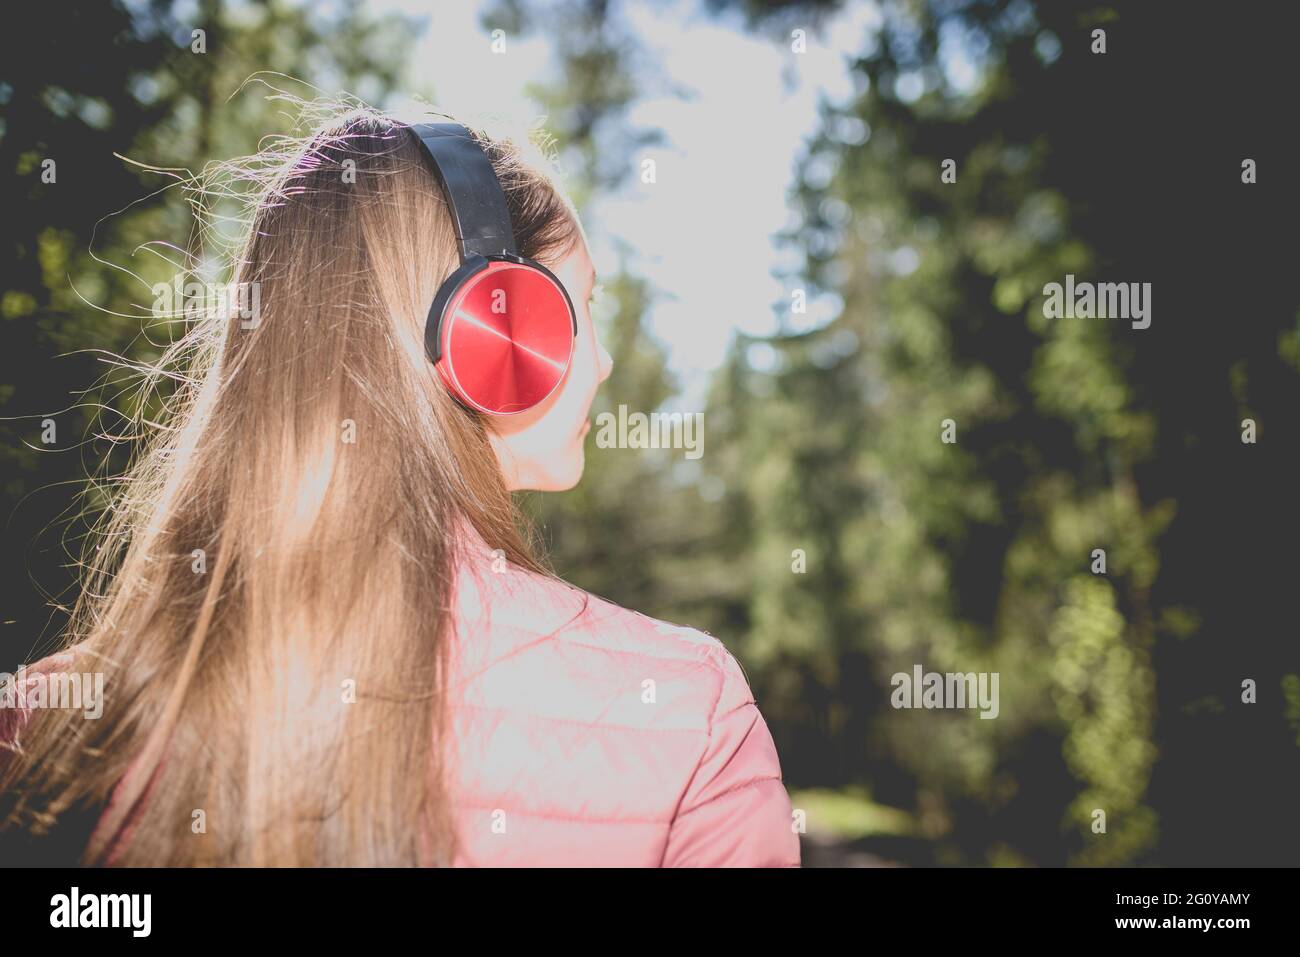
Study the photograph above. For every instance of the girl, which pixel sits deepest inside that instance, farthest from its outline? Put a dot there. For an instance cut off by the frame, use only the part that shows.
(322, 638)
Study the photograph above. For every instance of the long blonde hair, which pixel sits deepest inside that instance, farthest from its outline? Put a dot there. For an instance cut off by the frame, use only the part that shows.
(289, 532)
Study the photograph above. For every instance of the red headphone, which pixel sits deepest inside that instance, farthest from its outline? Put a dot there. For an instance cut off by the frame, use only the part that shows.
(501, 330)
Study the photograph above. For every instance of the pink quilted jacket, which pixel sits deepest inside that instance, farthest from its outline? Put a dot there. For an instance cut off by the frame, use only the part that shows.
(590, 735)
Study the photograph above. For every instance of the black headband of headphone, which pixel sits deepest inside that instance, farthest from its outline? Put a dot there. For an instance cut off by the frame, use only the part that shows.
(474, 195)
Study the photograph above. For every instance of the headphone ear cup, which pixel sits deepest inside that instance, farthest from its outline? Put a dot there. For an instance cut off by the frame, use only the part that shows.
(505, 335)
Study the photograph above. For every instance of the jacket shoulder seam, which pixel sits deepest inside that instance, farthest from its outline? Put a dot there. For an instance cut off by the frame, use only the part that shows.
(751, 782)
(580, 818)
(586, 724)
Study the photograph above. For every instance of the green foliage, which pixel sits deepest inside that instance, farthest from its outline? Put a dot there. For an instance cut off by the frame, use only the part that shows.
(105, 90)
(1102, 689)
(1071, 436)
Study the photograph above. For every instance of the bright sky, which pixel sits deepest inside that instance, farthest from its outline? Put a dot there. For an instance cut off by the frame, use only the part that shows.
(704, 233)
